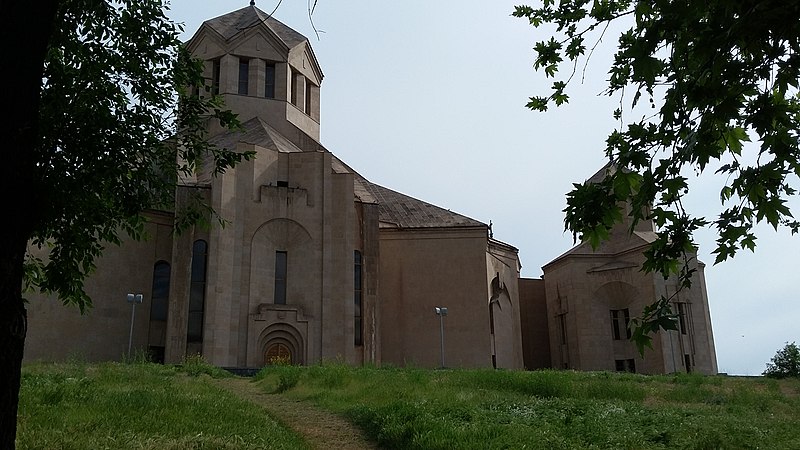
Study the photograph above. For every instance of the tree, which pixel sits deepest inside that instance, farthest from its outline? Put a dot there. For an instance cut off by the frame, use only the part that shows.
(716, 74)
(95, 137)
(785, 363)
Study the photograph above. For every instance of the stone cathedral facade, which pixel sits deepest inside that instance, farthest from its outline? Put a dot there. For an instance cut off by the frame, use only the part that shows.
(318, 263)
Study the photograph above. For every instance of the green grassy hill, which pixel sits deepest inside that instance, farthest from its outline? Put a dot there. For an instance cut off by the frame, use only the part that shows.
(152, 406)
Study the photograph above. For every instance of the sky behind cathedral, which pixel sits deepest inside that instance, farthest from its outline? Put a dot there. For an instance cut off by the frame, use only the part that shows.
(427, 98)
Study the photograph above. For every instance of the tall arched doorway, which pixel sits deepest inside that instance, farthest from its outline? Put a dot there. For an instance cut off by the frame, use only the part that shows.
(280, 343)
(278, 353)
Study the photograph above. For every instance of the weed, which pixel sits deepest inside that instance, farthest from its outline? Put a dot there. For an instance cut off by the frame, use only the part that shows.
(196, 365)
(138, 357)
(288, 376)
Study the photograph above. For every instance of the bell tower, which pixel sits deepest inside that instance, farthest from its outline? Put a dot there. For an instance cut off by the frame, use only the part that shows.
(262, 68)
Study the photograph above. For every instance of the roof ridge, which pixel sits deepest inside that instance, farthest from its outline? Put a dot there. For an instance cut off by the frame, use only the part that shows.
(231, 24)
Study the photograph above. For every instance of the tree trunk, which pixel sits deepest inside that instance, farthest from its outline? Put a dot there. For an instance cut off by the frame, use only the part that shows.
(25, 30)
(13, 325)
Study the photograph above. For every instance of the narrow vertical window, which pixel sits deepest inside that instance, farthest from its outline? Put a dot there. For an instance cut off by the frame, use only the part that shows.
(215, 71)
(682, 322)
(294, 88)
(357, 298)
(244, 75)
(620, 319)
(197, 293)
(562, 325)
(280, 277)
(160, 292)
(159, 304)
(269, 81)
(308, 97)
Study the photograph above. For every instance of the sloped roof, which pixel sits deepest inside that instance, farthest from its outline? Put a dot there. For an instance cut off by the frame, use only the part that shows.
(401, 210)
(620, 241)
(233, 23)
(255, 131)
(359, 190)
(404, 211)
(618, 244)
(600, 175)
(394, 208)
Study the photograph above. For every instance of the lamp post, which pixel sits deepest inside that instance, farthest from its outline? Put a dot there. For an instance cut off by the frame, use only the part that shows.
(133, 299)
(441, 312)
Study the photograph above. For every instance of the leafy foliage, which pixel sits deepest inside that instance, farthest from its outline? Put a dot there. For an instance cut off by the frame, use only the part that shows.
(785, 363)
(117, 131)
(717, 74)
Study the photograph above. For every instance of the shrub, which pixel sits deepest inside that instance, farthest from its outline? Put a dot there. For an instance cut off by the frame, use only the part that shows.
(785, 363)
(195, 365)
(288, 376)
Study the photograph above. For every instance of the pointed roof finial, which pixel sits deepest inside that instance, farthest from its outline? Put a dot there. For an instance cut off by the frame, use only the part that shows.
(252, 2)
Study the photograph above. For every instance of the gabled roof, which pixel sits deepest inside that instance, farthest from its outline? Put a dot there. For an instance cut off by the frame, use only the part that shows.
(394, 209)
(255, 131)
(617, 245)
(233, 23)
(600, 175)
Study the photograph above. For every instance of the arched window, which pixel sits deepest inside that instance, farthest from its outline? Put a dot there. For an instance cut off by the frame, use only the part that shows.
(357, 297)
(197, 293)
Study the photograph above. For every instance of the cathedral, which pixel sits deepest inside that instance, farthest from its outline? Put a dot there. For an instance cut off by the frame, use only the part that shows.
(317, 263)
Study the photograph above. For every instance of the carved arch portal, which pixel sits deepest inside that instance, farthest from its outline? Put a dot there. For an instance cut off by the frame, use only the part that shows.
(281, 341)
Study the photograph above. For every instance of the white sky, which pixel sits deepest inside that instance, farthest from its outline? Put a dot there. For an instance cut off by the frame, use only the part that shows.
(427, 98)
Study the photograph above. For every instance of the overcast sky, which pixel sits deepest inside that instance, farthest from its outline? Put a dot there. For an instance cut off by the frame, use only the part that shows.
(427, 98)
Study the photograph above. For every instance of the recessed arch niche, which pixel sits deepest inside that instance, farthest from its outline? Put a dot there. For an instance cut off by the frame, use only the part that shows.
(281, 340)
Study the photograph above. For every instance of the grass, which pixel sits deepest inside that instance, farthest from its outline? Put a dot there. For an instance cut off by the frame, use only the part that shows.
(148, 406)
(480, 409)
(141, 406)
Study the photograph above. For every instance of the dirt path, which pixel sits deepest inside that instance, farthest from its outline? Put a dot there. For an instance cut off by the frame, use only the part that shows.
(321, 429)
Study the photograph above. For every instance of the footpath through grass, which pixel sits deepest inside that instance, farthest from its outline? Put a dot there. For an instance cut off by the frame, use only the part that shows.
(485, 409)
(148, 406)
(140, 406)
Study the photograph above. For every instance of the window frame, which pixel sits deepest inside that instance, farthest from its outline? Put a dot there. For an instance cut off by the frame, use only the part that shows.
(216, 70)
(309, 88)
(244, 76)
(620, 317)
(269, 82)
(197, 292)
(161, 282)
